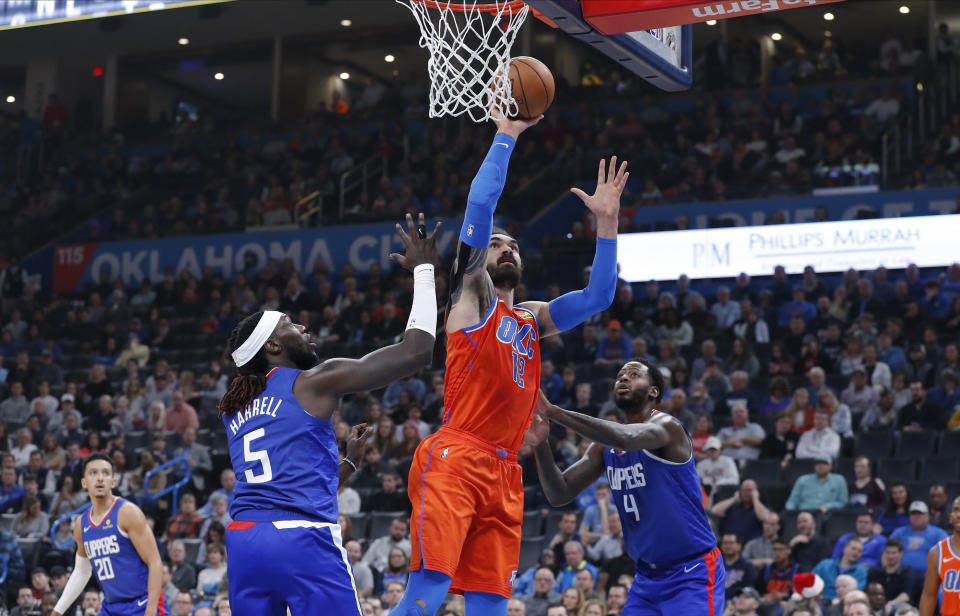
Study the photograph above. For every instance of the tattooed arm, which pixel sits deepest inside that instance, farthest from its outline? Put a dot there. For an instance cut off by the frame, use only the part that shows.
(471, 289)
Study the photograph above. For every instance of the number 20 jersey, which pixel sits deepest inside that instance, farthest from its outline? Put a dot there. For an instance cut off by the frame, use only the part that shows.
(285, 459)
(493, 376)
(660, 505)
(117, 565)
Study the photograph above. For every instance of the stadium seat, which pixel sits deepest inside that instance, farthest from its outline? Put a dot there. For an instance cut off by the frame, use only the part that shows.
(360, 523)
(532, 524)
(919, 489)
(874, 445)
(762, 471)
(774, 495)
(136, 440)
(916, 444)
(530, 548)
(839, 522)
(795, 468)
(723, 493)
(949, 443)
(940, 469)
(953, 490)
(529, 498)
(29, 549)
(380, 522)
(193, 548)
(844, 467)
(896, 469)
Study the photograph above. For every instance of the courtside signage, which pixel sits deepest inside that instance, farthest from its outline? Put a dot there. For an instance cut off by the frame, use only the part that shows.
(928, 241)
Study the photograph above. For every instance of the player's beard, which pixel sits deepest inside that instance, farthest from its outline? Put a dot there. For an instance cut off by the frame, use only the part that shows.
(304, 357)
(505, 276)
(633, 402)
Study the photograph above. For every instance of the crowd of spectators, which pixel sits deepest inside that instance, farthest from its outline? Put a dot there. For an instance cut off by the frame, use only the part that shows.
(797, 393)
(738, 144)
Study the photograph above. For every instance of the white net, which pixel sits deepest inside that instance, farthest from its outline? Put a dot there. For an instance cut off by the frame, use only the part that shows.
(469, 44)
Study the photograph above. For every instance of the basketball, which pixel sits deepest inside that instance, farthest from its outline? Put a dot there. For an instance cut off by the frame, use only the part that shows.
(532, 86)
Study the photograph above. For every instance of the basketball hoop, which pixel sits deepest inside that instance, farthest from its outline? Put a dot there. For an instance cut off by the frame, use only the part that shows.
(469, 44)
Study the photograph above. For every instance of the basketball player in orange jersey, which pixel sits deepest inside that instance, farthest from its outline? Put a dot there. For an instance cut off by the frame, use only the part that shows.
(942, 583)
(465, 483)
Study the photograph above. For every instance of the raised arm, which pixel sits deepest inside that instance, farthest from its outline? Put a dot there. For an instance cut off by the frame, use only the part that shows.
(319, 389)
(562, 487)
(572, 309)
(355, 449)
(628, 437)
(471, 289)
(132, 521)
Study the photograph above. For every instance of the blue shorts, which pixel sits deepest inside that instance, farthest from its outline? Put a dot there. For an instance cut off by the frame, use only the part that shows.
(133, 607)
(301, 565)
(696, 586)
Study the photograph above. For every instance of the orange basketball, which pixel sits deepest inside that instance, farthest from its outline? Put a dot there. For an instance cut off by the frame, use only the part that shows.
(531, 85)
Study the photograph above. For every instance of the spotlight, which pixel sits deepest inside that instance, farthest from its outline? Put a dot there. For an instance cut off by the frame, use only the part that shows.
(711, 22)
(829, 16)
(11, 99)
(904, 9)
(183, 41)
(776, 36)
(218, 76)
(388, 58)
(344, 75)
(346, 23)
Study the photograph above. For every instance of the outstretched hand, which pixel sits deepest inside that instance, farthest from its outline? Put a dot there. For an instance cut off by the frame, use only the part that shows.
(605, 201)
(511, 126)
(419, 248)
(356, 444)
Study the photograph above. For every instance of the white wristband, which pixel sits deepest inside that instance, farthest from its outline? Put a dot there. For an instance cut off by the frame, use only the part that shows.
(423, 311)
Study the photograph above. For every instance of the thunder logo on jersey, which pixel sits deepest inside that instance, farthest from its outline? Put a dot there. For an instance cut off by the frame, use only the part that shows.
(521, 339)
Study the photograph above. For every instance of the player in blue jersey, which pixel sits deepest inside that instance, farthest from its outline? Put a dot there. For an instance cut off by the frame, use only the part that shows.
(284, 544)
(115, 544)
(648, 462)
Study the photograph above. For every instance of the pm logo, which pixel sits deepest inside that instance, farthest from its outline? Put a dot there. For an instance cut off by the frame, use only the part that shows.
(707, 254)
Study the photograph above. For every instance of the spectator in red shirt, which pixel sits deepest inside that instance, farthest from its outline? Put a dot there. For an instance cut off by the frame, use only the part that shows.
(181, 415)
(54, 116)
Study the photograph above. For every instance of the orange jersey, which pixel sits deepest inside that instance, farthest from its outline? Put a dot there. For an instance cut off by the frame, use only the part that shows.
(493, 376)
(948, 567)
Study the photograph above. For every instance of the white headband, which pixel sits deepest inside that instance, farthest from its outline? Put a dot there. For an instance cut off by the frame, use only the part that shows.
(250, 347)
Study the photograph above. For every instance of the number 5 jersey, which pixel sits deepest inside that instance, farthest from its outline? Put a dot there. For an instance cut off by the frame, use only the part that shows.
(285, 459)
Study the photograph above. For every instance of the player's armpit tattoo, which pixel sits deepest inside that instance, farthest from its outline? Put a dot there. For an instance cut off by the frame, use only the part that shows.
(478, 259)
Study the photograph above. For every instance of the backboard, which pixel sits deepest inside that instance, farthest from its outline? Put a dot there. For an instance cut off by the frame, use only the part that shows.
(652, 38)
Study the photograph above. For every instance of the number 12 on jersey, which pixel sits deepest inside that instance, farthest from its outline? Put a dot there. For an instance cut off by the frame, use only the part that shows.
(519, 363)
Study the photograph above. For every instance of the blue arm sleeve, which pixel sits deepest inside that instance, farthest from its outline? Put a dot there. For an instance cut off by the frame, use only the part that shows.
(484, 192)
(572, 309)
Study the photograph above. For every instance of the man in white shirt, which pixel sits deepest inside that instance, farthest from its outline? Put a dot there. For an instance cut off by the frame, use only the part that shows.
(717, 469)
(741, 441)
(50, 403)
(821, 441)
(24, 447)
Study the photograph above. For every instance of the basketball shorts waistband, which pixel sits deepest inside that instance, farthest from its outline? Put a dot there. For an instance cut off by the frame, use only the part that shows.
(280, 524)
(662, 566)
(507, 455)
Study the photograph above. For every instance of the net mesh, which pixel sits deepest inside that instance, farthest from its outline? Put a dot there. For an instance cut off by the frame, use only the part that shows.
(469, 45)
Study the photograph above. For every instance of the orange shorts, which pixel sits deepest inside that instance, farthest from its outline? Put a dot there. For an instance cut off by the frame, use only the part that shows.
(467, 498)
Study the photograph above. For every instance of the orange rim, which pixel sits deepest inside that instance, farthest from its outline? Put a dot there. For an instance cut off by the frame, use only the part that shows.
(466, 6)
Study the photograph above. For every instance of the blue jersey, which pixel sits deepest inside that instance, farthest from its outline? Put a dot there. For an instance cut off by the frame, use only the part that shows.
(285, 459)
(121, 572)
(660, 505)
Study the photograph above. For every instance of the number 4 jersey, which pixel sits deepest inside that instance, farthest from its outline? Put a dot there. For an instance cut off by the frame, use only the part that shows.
(285, 459)
(493, 376)
(660, 505)
(121, 572)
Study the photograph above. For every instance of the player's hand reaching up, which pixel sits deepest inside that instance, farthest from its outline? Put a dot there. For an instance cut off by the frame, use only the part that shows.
(605, 201)
(356, 444)
(511, 126)
(419, 248)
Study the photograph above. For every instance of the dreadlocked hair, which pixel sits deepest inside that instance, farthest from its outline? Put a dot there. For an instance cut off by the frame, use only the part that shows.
(251, 377)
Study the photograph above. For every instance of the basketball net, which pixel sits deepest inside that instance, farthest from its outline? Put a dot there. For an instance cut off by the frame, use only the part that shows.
(469, 44)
